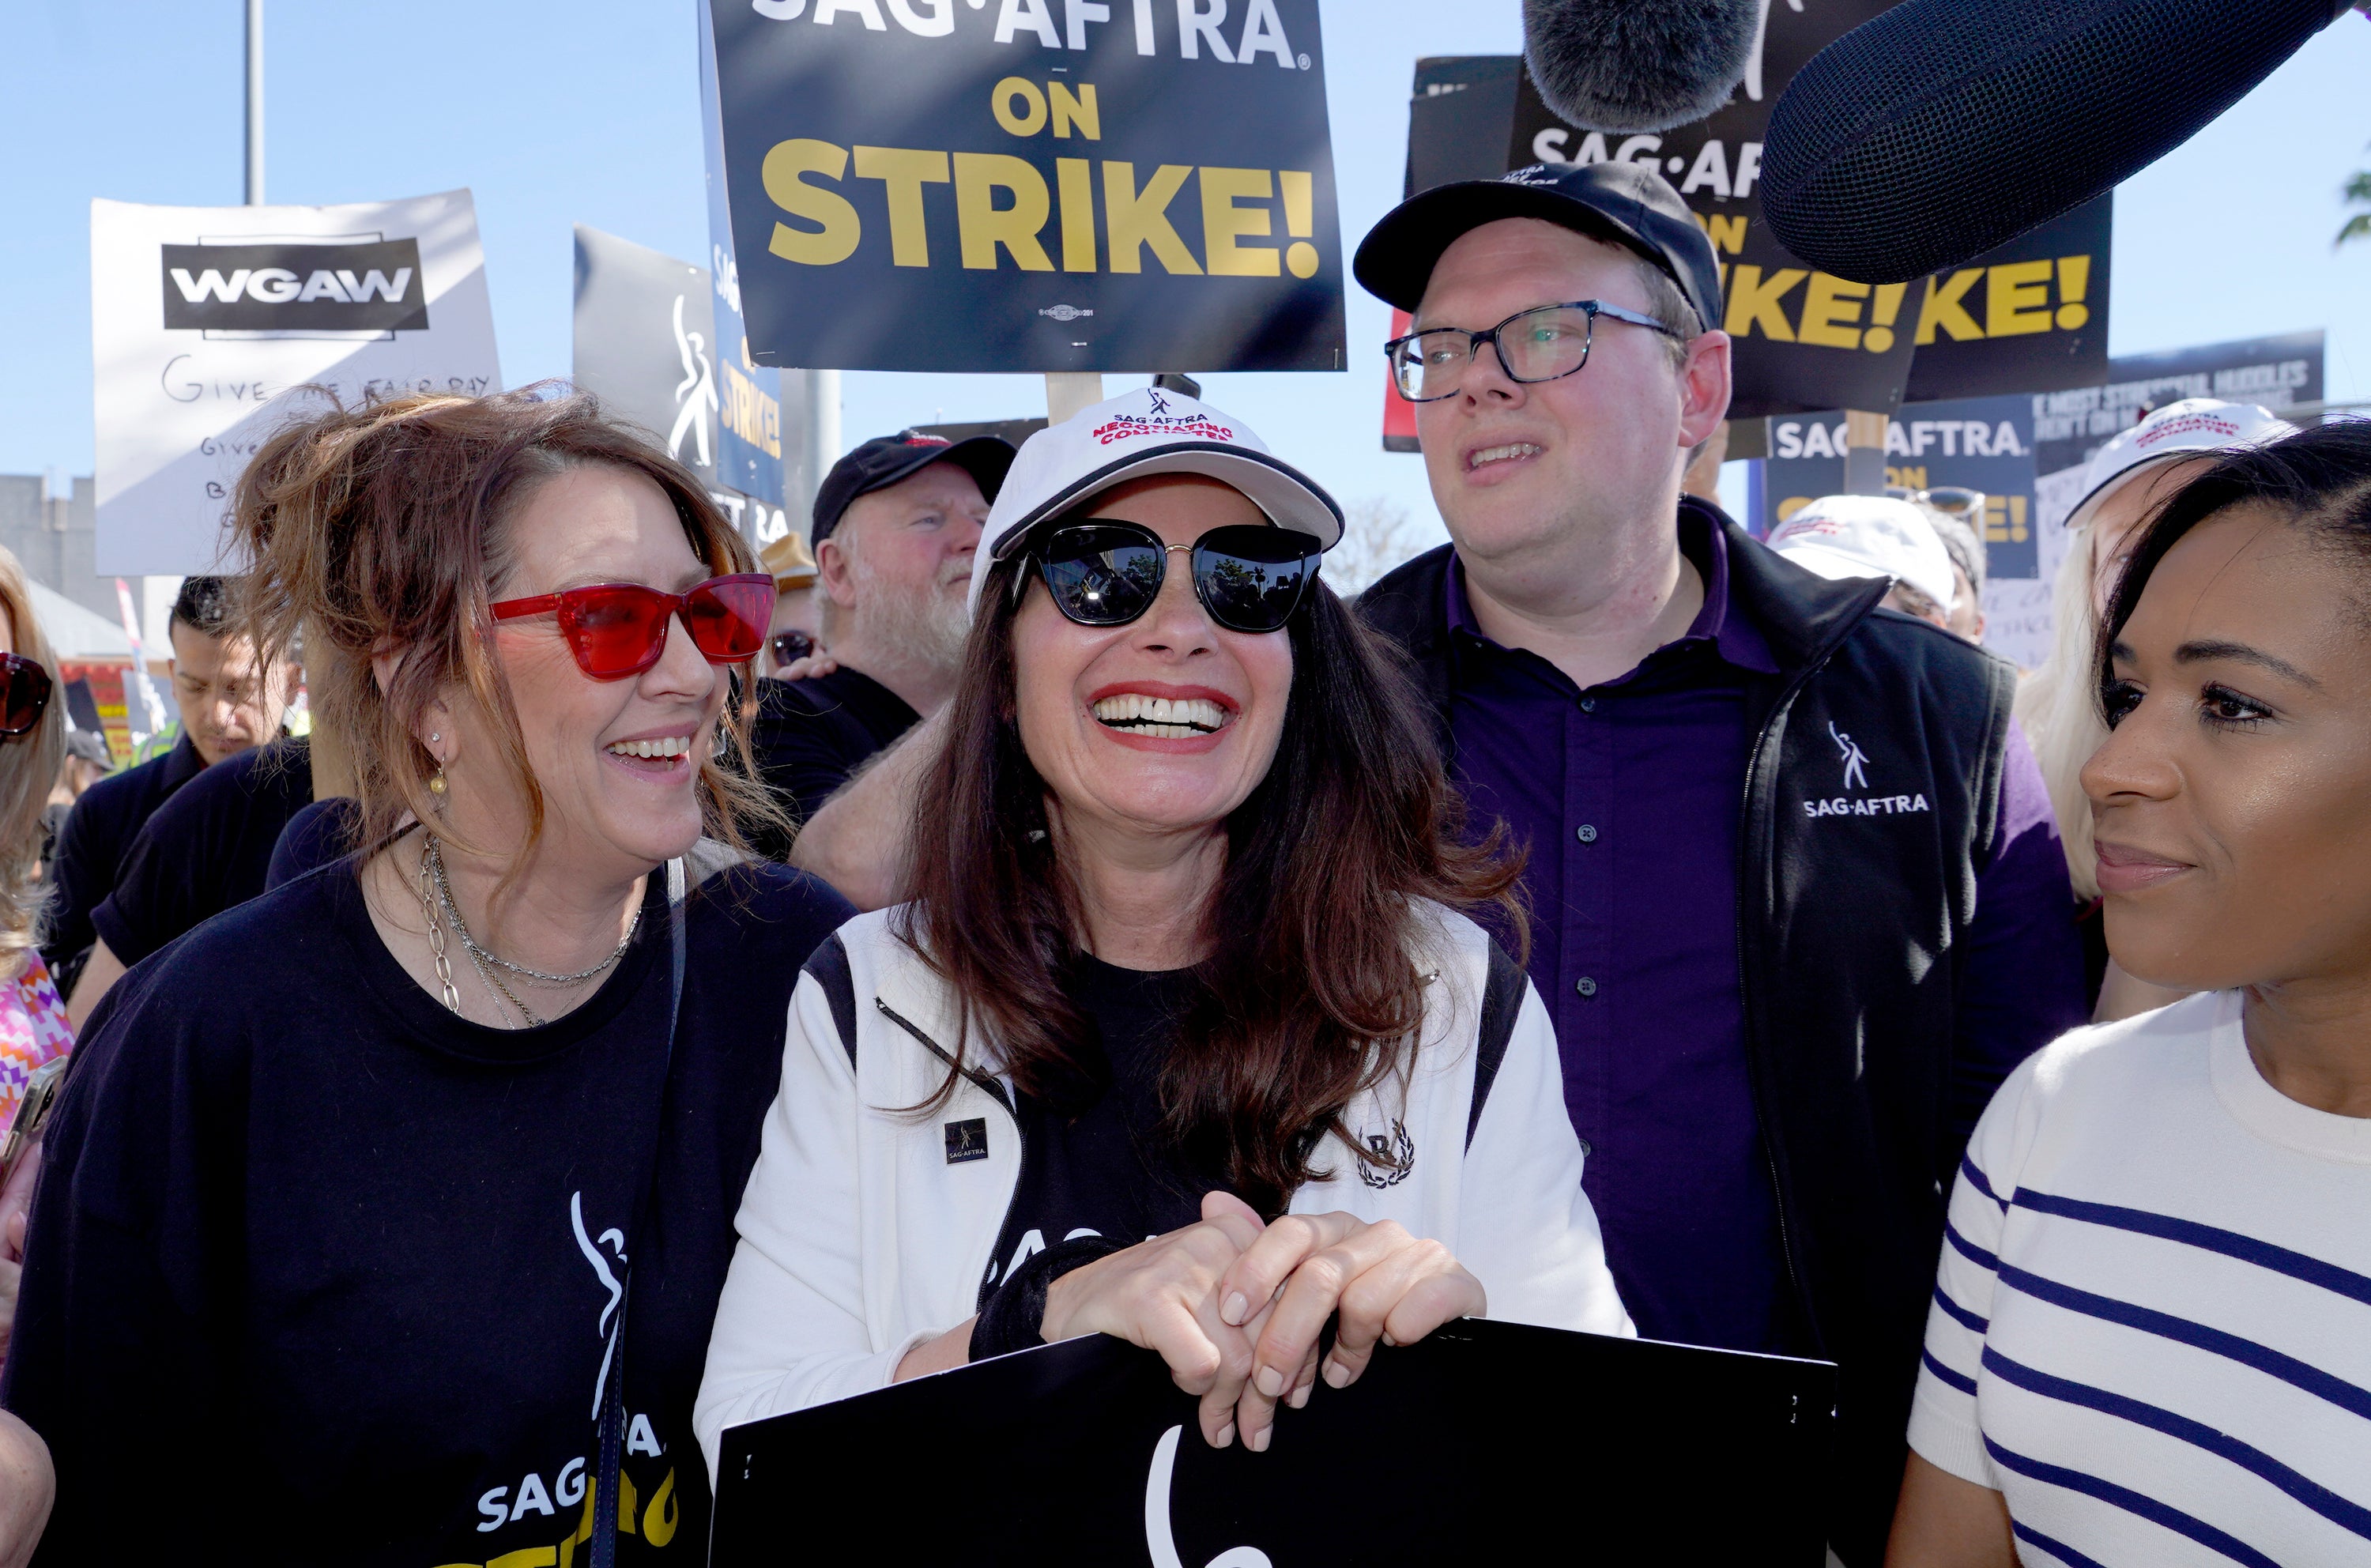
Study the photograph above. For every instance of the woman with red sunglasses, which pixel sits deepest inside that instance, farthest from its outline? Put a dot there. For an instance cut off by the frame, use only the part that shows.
(407, 1188)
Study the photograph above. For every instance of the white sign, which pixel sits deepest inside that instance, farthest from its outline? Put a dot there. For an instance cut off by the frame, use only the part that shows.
(2017, 619)
(2018, 610)
(205, 322)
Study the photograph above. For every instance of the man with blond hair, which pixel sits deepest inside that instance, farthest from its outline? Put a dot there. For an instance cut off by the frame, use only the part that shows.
(1797, 903)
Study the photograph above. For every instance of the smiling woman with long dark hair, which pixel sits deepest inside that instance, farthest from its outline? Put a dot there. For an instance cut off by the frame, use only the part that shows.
(1187, 958)
(2151, 1339)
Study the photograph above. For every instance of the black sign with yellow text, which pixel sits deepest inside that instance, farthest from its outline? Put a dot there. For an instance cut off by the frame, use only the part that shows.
(1096, 185)
(1979, 444)
(2030, 318)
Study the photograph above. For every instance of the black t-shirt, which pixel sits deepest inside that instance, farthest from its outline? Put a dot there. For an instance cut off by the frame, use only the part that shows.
(315, 835)
(321, 1272)
(205, 850)
(98, 832)
(1097, 1162)
(809, 736)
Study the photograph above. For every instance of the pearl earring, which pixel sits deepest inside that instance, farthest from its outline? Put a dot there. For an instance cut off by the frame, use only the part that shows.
(436, 785)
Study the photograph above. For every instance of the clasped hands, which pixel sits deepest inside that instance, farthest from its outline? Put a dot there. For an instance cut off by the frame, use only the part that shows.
(1236, 1306)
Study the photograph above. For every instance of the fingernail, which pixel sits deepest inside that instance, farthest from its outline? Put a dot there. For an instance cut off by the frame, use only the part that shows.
(1226, 1435)
(1300, 1397)
(1257, 1442)
(1336, 1375)
(1270, 1381)
(1392, 1342)
(1235, 1310)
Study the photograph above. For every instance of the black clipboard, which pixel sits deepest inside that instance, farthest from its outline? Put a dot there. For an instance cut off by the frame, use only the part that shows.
(1485, 1442)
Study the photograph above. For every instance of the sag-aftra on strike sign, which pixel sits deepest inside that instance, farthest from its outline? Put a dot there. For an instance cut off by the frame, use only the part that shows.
(1015, 185)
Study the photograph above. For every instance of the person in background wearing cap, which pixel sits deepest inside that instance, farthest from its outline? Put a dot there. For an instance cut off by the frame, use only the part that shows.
(895, 522)
(87, 762)
(1841, 537)
(796, 630)
(1965, 619)
(1187, 958)
(1797, 899)
(2058, 705)
(227, 707)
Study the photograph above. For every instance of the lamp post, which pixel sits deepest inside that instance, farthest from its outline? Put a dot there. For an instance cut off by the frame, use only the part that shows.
(255, 103)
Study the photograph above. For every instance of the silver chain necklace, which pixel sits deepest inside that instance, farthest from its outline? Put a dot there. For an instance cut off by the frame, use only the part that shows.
(433, 863)
(435, 928)
(443, 963)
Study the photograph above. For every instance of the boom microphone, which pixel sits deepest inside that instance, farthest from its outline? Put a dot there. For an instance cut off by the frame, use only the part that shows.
(1941, 129)
(1637, 64)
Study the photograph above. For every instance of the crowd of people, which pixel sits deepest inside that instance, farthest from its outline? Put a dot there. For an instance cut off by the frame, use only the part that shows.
(672, 988)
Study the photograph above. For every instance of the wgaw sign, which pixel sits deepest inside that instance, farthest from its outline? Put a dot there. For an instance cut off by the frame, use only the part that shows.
(206, 323)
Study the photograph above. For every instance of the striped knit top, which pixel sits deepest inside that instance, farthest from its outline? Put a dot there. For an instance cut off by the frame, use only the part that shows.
(2152, 1326)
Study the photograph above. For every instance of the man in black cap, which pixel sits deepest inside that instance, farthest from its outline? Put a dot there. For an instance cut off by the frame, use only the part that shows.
(1797, 899)
(895, 524)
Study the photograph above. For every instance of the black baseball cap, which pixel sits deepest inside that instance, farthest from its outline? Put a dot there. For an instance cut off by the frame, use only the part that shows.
(90, 746)
(886, 459)
(1623, 203)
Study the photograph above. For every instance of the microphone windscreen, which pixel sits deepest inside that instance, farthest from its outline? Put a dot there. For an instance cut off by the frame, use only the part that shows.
(1941, 129)
(1637, 64)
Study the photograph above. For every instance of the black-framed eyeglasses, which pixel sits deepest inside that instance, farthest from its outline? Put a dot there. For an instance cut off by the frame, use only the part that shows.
(1107, 571)
(1540, 344)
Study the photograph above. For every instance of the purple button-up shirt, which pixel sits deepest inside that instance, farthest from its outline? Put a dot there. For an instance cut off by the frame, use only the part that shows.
(1627, 795)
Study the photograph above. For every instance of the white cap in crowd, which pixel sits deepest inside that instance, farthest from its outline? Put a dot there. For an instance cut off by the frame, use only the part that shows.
(1867, 535)
(2186, 428)
(1149, 431)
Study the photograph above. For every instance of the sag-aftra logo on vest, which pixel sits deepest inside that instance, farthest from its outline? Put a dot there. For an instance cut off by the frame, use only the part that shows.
(1854, 762)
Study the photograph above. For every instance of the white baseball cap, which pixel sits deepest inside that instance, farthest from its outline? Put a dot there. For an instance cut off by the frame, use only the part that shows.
(1149, 431)
(2186, 428)
(1867, 535)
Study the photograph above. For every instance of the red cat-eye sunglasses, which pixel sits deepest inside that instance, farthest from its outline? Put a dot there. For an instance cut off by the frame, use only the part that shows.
(618, 629)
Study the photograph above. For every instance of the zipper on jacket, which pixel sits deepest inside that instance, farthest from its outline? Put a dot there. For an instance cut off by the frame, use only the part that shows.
(995, 1091)
(1753, 1077)
(1756, 1071)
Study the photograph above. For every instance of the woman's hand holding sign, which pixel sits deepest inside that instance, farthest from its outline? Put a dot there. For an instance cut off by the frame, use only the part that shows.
(1163, 1295)
(1389, 1288)
(1236, 1308)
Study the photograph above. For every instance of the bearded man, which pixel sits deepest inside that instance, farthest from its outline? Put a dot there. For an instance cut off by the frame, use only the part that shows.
(896, 522)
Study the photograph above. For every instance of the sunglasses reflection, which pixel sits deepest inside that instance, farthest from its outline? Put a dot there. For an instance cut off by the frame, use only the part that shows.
(1249, 576)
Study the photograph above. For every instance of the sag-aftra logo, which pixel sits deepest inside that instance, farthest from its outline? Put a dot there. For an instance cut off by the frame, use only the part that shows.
(373, 286)
(1855, 762)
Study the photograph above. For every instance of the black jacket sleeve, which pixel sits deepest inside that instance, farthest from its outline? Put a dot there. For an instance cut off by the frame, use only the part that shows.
(84, 871)
(805, 752)
(146, 908)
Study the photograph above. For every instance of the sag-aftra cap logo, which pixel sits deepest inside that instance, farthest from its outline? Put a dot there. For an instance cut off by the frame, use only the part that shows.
(373, 286)
(1158, 420)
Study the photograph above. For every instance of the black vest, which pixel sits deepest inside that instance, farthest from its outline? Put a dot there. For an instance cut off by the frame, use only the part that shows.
(1870, 798)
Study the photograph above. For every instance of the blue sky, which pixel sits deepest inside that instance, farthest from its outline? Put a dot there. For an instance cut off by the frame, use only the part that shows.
(587, 112)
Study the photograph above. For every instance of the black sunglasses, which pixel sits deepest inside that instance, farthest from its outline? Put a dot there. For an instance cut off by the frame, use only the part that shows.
(24, 693)
(791, 646)
(1249, 576)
